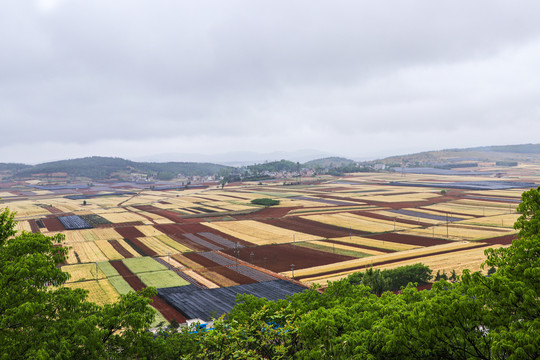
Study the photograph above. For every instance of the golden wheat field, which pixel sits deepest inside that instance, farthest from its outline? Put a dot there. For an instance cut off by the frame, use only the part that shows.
(357, 222)
(259, 233)
(100, 292)
(380, 244)
(459, 232)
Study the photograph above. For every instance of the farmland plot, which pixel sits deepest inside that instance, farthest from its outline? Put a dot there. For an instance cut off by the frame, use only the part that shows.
(100, 292)
(259, 233)
(459, 232)
(356, 222)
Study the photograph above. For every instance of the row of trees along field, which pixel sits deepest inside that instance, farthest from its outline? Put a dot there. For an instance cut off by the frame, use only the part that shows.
(476, 317)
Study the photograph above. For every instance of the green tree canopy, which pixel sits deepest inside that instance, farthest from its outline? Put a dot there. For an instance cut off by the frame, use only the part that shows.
(41, 319)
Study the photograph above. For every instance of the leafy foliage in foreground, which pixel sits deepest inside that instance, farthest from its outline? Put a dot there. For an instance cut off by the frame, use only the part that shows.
(40, 319)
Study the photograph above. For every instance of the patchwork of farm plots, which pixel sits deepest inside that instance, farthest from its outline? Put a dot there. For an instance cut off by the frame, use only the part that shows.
(215, 237)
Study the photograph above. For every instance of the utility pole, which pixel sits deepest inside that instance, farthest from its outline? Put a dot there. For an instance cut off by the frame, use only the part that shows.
(447, 225)
(292, 270)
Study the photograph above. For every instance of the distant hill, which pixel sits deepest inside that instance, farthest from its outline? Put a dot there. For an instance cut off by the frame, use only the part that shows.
(13, 166)
(328, 162)
(524, 153)
(99, 168)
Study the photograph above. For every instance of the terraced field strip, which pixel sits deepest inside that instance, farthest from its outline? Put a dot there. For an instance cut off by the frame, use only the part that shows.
(376, 244)
(509, 207)
(390, 217)
(459, 232)
(108, 250)
(353, 265)
(505, 220)
(356, 222)
(259, 233)
(332, 246)
(428, 215)
(331, 209)
(478, 209)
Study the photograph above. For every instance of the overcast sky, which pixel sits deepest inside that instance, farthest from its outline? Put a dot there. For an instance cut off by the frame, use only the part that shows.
(361, 79)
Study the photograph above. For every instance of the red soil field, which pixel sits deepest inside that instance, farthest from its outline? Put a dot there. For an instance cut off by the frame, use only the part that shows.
(279, 258)
(375, 263)
(53, 224)
(129, 232)
(121, 250)
(312, 227)
(503, 240)
(52, 209)
(158, 303)
(34, 226)
(408, 239)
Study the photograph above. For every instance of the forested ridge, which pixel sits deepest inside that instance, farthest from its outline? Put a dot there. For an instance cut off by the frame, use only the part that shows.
(475, 317)
(99, 168)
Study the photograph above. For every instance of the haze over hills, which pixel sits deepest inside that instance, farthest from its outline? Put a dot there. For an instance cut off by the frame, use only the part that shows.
(529, 153)
(106, 167)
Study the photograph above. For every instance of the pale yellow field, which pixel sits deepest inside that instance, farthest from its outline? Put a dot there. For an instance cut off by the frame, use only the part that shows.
(121, 217)
(82, 272)
(87, 252)
(407, 217)
(331, 246)
(458, 233)
(106, 234)
(376, 243)
(22, 225)
(259, 233)
(303, 203)
(346, 266)
(505, 220)
(400, 198)
(505, 207)
(171, 243)
(25, 209)
(357, 222)
(469, 209)
(100, 292)
(107, 250)
(5, 194)
(148, 230)
(157, 245)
